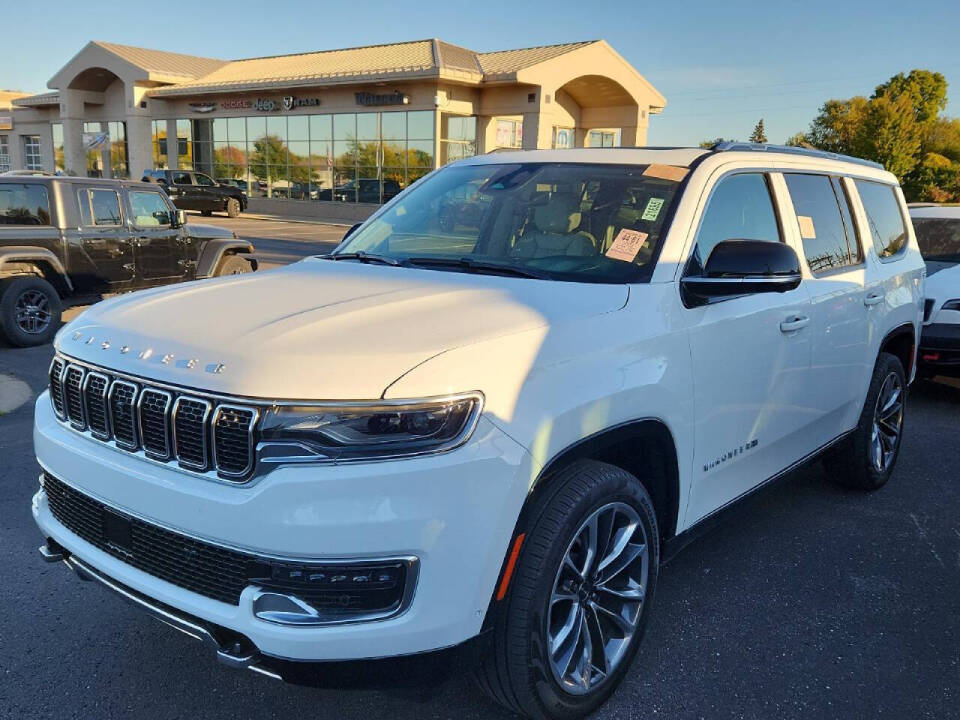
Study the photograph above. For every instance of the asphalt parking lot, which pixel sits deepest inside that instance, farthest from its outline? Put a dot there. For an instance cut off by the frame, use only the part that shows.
(808, 602)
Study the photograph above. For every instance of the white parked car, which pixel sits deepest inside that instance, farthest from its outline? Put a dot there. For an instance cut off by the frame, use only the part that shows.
(485, 434)
(938, 234)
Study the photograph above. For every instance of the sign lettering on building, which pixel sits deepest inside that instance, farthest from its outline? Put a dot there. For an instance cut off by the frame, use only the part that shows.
(394, 98)
(290, 102)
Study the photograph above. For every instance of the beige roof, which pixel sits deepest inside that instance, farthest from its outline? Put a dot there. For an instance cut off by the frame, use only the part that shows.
(163, 62)
(508, 61)
(418, 58)
(49, 98)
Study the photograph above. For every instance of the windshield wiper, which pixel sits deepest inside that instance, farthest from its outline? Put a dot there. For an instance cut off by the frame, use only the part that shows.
(476, 266)
(363, 257)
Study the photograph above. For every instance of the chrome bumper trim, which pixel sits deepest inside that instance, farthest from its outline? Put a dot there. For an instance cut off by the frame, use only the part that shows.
(236, 656)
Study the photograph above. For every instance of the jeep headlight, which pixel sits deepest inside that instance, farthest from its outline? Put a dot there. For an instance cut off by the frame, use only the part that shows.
(376, 430)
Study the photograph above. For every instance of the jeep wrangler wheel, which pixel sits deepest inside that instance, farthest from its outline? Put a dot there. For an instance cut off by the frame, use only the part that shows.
(233, 265)
(233, 207)
(866, 459)
(577, 605)
(29, 311)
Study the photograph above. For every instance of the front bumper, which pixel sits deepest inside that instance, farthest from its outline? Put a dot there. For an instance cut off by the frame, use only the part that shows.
(939, 352)
(455, 513)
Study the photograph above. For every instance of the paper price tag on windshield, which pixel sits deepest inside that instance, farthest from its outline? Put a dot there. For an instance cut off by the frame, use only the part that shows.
(626, 246)
(666, 172)
(652, 211)
(807, 230)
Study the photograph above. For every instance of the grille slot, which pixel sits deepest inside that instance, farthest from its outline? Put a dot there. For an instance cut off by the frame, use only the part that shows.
(190, 433)
(95, 398)
(233, 439)
(56, 387)
(154, 407)
(200, 433)
(122, 399)
(73, 396)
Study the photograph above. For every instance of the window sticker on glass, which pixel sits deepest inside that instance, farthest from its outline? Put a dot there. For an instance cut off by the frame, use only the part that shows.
(666, 172)
(626, 246)
(652, 211)
(807, 231)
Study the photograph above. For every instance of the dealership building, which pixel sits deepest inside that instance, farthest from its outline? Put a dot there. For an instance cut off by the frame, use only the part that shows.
(370, 120)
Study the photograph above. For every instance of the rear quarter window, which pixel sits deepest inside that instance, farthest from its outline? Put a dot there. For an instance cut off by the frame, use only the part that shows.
(886, 223)
(24, 204)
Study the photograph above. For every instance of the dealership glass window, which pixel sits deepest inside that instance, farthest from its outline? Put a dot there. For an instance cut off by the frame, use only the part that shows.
(564, 137)
(458, 137)
(56, 130)
(828, 239)
(32, 155)
(184, 144)
(4, 153)
(119, 160)
(159, 139)
(24, 204)
(509, 133)
(884, 217)
(604, 138)
(113, 150)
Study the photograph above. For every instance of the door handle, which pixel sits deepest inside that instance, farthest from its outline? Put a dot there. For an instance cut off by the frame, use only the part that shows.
(873, 299)
(794, 323)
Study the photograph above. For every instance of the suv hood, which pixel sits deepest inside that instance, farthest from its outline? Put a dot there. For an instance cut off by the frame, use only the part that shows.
(211, 232)
(318, 329)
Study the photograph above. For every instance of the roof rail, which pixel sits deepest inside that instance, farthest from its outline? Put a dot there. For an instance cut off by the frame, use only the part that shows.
(792, 150)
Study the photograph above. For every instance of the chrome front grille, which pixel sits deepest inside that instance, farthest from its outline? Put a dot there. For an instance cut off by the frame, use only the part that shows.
(200, 434)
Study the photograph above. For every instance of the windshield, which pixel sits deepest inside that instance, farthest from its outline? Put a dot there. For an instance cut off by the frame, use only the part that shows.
(938, 238)
(579, 222)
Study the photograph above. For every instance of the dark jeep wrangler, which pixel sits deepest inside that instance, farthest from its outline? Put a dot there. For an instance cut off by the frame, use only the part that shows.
(69, 241)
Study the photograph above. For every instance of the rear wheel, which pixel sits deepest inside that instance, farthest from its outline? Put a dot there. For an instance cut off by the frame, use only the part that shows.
(233, 265)
(578, 601)
(29, 311)
(866, 459)
(233, 207)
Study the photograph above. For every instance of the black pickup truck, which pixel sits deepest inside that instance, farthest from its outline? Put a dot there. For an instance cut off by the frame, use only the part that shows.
(191, 190)
(69, 241)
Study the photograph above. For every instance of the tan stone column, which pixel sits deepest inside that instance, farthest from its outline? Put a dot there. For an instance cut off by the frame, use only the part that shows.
(71, 117)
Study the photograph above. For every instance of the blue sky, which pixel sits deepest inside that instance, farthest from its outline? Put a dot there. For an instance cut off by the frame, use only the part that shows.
(721, 65)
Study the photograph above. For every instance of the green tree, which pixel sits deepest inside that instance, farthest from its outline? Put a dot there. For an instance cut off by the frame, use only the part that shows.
(268, 160)
(925, 91)
(707, 144)
(798, 140)
(758, 135)
(836, 127)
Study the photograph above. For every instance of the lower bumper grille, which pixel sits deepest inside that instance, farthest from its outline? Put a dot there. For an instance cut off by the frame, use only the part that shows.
(337, 591)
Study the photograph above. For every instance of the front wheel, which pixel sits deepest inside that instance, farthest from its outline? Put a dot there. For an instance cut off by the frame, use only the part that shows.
(566, 632)
(233, 207)
(29, 311)
(233, 265)
(866, 459)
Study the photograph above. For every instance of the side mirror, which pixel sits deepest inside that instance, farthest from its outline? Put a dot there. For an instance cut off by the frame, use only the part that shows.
(351, 231)
(744, 267)
(179, 218)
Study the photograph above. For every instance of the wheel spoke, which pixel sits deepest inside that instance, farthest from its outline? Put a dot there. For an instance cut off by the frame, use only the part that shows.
(620, 541)
(627, 556)
(570, 649)
(890, 400)
(625, 625)
(597, 636)
(565, 631)
(592, 539)
(632, 594)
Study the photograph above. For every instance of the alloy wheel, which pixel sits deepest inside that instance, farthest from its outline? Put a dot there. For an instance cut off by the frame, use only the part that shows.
(887, 423)
(598, 597)
(32, 312)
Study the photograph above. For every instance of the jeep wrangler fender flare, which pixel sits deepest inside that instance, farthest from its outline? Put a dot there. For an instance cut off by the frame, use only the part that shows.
(214, 252)
(49, 265)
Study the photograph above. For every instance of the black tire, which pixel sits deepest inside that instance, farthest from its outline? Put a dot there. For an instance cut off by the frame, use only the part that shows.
(515, 668)
(233, 207)
(206, 213)
(852, 464)
(29, 311)
(233, 265)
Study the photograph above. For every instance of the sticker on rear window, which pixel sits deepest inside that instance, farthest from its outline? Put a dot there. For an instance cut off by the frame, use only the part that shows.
(652, 211)
(807, 231)
(626, 246)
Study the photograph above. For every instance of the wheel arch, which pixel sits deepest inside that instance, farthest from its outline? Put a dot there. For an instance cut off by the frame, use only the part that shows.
(216, 249)
(902, 343)
(39, 261)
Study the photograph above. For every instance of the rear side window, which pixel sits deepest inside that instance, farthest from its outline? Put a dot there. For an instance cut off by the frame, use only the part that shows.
(884, 217)
(23, 204)
(740, 208)
(823, 217)
(99, 207)
(149, 209)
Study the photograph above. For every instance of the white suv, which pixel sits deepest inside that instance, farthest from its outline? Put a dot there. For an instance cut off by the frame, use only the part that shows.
(483, 420)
